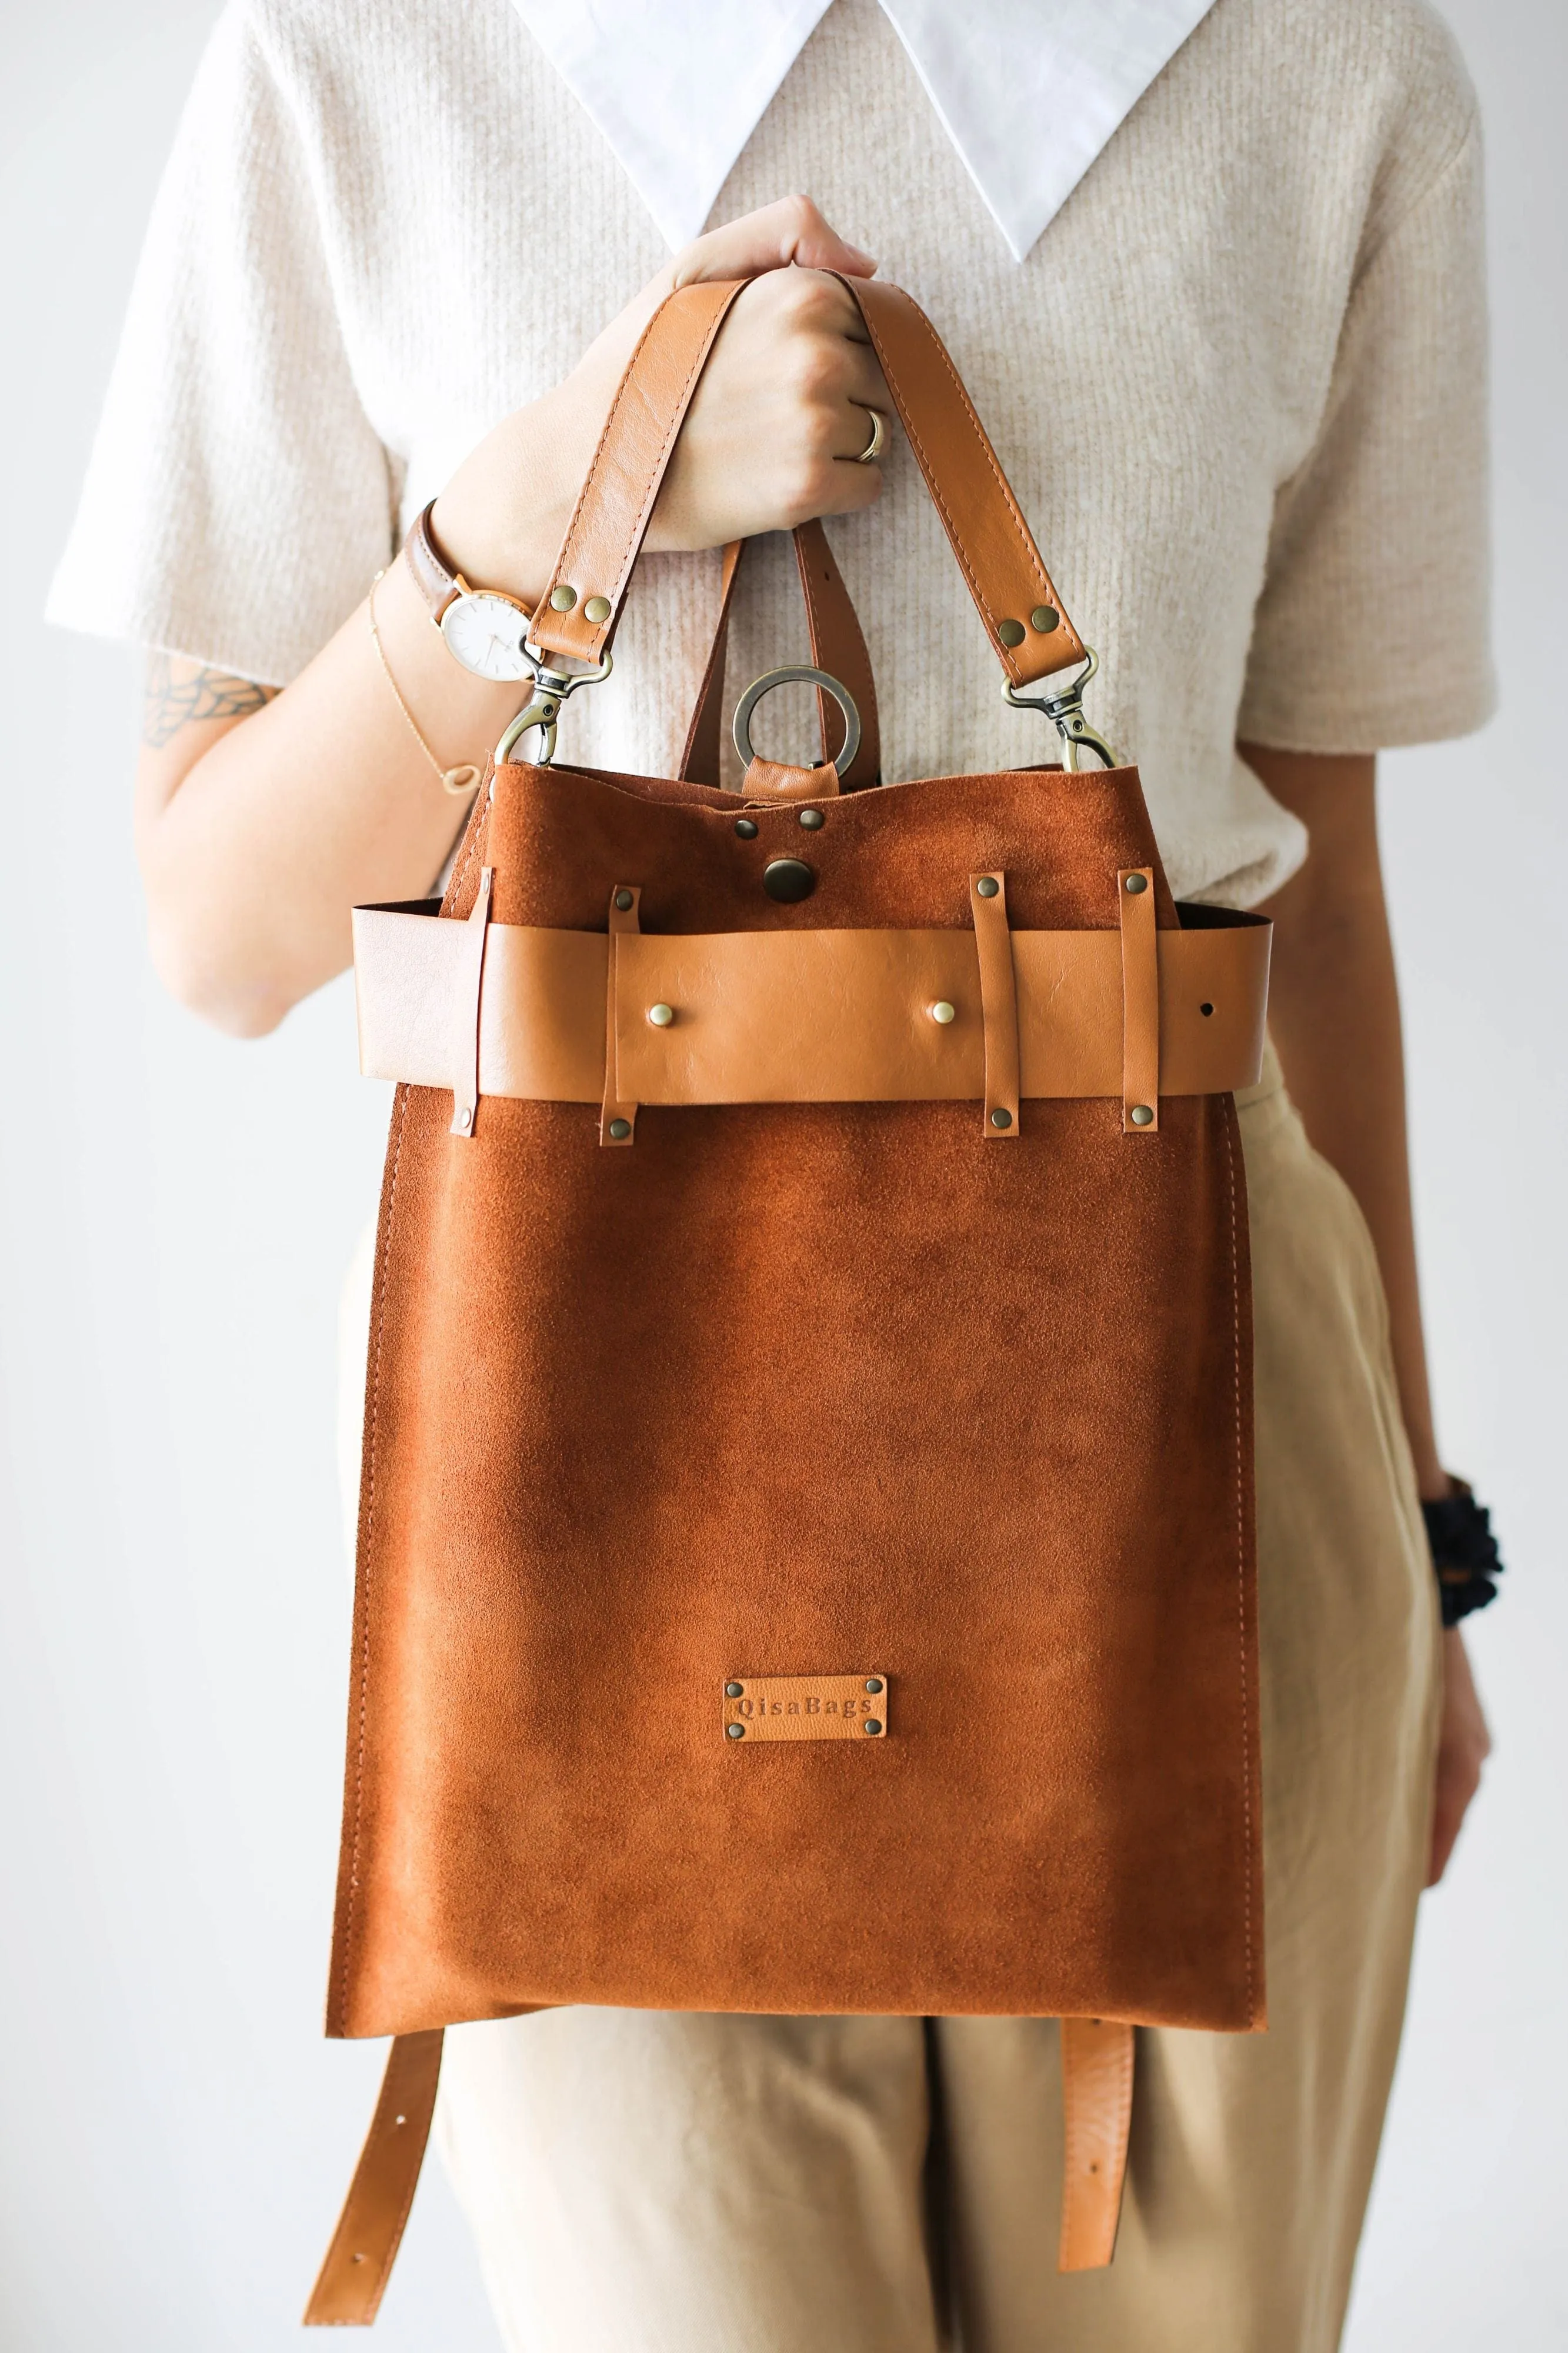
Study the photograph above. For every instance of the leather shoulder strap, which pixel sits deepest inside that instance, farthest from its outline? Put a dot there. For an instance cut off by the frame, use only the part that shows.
(1013, 593)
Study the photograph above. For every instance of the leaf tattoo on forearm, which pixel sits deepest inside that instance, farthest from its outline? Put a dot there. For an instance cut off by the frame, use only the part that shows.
(172, 703)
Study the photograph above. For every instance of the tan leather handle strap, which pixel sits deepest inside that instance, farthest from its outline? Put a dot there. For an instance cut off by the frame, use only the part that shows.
(359, 2261)
(837, 646)
(578, 611)
(1023, 616)
(1097, 2112)
(1013, 593)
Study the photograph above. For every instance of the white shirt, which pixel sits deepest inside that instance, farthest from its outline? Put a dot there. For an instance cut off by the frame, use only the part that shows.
(1028, 90)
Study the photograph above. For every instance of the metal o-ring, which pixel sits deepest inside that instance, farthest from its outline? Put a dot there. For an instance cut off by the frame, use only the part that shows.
(818, 678)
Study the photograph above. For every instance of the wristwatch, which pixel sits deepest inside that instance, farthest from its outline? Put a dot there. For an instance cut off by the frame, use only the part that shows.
(484, 627)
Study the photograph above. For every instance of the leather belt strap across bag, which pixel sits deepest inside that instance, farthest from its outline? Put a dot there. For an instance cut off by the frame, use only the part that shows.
(805, 1541)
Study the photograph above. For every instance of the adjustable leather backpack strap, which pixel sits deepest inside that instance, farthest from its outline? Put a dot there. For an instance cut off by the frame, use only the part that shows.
(1096, 2111)
(359, 2261)
(837, 646)
(1023, 616)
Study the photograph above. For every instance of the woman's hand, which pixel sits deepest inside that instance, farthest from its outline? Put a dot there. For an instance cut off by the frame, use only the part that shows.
(770, 439)
(1464, 1743)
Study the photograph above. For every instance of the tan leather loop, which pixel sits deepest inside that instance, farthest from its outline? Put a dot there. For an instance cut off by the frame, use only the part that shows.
(1139, 1002)
(613, 1111)
(349, 2288)
(466, 1092)
(998, 1004)
(1097, 2110)
(772, 780)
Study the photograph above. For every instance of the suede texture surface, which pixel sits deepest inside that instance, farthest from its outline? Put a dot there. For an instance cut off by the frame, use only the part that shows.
(801, 1389)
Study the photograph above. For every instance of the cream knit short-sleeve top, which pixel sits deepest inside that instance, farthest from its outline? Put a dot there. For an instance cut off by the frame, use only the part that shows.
(1238, 384)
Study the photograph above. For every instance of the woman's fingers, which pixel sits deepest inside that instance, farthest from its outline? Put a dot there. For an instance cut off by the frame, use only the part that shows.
(792, 230)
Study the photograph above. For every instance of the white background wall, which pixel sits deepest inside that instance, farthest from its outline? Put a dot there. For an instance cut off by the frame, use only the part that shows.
(175, 1212)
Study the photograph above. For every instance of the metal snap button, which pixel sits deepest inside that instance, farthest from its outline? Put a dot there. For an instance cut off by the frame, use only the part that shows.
(813, 820)
(746, 828)
(1136, 883)
(998, 1119)
(788, 880)
(620, 1129)
(987, 886)
(1142, 1116)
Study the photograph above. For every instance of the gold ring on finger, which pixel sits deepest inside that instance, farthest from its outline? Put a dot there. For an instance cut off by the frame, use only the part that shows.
(878, 441)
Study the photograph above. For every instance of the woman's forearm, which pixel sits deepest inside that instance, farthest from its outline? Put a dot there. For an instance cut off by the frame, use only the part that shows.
(1334, 1016)
(257, 832)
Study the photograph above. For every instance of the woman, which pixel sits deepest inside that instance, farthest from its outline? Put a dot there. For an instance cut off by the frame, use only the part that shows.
(1237, 384)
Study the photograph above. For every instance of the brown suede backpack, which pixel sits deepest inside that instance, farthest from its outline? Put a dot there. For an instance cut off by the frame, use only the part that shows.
(811, 1314)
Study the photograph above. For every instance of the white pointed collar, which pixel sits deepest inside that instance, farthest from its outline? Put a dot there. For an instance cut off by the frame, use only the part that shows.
(1028, 91)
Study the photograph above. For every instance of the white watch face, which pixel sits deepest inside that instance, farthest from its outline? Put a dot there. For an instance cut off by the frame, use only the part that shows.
(486, 631)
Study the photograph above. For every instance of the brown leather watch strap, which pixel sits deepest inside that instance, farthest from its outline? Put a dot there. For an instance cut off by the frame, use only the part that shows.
(1096, 2111)
(433, 576)
(1013, 594)
(578, 611)
(837, 646)
(359, 2261)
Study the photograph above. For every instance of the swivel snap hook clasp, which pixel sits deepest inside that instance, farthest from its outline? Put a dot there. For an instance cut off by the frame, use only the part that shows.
(1065, 707)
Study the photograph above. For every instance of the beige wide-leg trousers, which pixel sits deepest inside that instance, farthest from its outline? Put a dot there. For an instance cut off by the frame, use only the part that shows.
(698, 2184)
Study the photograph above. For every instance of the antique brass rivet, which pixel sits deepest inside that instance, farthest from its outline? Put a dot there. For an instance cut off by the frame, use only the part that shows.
(788, 880)
(620, 1129)
(872, 1726)
(735, 1690)
(624, 901)
(1136, 883)
(661, 1016)
(1010, 632)
(1044, 619)
(735, 1731)
(812, 819)
(943, 1012)
(988, 886)
(562, 598)
(746, 828)
(1142, 1116)
(873, 1683)
(1003, 1119)
(598, 608)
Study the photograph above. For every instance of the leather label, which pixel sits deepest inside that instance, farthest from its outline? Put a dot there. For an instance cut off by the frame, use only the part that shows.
(805, 1707)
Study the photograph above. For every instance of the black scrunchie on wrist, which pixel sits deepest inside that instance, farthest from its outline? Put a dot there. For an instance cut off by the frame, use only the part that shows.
(1464, 1552)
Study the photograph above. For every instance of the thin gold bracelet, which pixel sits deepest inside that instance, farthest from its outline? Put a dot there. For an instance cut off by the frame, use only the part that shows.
(459, 782)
